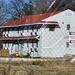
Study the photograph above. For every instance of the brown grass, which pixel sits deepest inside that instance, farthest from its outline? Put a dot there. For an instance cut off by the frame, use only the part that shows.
(50, 67)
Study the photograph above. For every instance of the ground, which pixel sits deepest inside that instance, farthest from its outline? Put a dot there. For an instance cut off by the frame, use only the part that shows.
(41, 66)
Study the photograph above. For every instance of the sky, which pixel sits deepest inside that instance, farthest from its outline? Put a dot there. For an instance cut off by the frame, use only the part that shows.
(7, 1)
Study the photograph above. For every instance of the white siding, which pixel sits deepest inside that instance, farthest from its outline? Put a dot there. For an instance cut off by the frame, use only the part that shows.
(54, 42)
(51, 43)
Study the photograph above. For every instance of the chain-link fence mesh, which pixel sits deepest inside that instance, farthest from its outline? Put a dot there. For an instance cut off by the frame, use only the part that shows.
(52, 50)
(40, 41)
(43, 48)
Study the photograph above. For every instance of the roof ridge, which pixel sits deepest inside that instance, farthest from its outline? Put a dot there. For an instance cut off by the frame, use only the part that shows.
(30, 19)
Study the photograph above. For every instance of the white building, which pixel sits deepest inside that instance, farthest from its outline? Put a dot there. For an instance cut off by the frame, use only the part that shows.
(44, 35)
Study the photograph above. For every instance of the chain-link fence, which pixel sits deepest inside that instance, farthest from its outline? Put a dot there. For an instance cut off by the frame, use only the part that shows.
(48, 40)
(44, 44)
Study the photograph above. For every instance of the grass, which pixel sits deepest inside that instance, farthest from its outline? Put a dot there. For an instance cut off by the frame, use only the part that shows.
(50, 67)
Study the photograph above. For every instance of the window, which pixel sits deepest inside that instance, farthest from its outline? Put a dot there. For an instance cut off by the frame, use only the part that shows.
(37, 44)
(3, 35)
(31, 50)
(52, 27)
(27, 29)
(36, 33)
(8, 44)
(36, 27)
(32, 44)
(22, 44)
(32, 28)
(7, 35)
(18, 46)
(62, 22)
(69, 33)
(5, 30)
(68, 26)
(31, 33)
(27, 44)
(67, 45)
(12, 45)
(17, 30)
(5, 44)
(21, 34)
(8, 30)
(35, 50)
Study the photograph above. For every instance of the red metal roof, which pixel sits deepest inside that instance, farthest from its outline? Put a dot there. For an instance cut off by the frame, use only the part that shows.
(18, 37)
(30, 19)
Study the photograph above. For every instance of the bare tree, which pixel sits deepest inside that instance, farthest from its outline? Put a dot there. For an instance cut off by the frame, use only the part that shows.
(63, 4)
(2, 11)
(14, 8)
(28, 8)
(18, 8)
(41, 6)
(2, 17)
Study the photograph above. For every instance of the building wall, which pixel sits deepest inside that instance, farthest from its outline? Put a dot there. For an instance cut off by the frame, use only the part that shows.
(22, 45)
(51, 43)
(54, 43)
